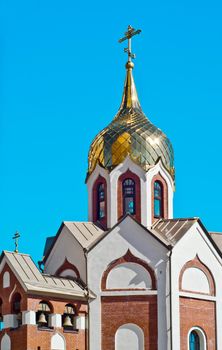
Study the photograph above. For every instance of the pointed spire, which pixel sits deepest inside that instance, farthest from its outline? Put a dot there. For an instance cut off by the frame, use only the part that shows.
(130, 98)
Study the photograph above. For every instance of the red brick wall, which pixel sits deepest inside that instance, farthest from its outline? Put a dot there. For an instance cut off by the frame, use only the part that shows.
(119, 310)
(29, 336)
(197, 313)
(5, 293)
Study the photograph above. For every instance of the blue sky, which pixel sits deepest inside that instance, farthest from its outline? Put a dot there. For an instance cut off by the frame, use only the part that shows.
(62, 74)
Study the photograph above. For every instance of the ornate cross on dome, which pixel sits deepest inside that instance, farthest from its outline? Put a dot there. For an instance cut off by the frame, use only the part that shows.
(16, 238)
(128, 35)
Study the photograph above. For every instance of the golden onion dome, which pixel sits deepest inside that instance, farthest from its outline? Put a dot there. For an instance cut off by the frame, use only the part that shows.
(130, 134)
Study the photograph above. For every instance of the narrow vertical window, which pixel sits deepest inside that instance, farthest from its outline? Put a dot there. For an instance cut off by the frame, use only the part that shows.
(158, 200)
(101, 201)
(194, 341)
(129, 203)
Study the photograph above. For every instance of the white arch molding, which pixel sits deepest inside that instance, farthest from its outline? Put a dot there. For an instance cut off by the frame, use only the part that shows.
(202, 337)
(129, 337)
(6, 342)
(129, 276)
(68, 273)
(58, 342)
(195, 280)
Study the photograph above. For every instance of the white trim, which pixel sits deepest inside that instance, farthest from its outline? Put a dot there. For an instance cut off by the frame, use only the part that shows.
(197, 296)
(202, 338)
(128, 292)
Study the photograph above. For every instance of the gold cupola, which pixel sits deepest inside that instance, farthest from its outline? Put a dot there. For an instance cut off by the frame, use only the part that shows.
(130, 134)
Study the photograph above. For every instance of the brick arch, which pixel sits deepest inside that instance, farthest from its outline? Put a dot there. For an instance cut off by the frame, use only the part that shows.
(67, 266)
(163, 183)
(129, 175)
(100, 180)
(127, 258)
(197, 263)
(47, 301)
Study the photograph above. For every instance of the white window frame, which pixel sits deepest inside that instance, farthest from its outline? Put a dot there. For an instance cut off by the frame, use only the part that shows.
(202, 336)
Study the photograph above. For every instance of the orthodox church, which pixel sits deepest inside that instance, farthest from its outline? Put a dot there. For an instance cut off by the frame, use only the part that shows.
(131, 278)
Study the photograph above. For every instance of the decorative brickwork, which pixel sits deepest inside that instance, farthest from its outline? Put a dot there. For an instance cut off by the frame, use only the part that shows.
(196, 262)
(159, 178)
(129, 175)
(128, 257)
(30, 336)
(197, 313)
(119, 310)
(67, 266)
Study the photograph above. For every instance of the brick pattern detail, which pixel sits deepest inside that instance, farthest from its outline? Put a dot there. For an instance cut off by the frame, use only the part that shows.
(196, 262)
(103, 221)
(67, 266)
(129, 175)
(159, 178)
(127, 258)
(197, 313)
(119, 310)
(7, 294)
(29, 336)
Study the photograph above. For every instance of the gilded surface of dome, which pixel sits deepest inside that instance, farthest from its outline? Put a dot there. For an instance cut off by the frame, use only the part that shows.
(130, 134)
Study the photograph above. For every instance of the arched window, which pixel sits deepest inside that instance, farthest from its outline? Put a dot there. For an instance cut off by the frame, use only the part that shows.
(129, 197)
(16, 307)
(42, 315)
(158, 200)
(194, 341)
(68, 318)
(1, 316)
(100, 201)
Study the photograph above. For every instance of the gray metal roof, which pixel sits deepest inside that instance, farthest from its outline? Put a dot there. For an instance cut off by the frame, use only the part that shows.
(217, 238)
(35, 282)
(86, 233)
(172, 230)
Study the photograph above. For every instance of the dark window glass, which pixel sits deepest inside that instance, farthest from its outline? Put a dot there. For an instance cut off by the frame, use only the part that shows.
(129, 197)
(158, 200)
(194, 341)
(16, 308)
(101, 202)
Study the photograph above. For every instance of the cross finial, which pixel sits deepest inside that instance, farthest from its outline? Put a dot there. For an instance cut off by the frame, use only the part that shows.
(128, 35)
(16, 238)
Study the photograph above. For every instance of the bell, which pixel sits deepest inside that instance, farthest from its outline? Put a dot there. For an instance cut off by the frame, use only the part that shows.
(42, 318)
(67, 322)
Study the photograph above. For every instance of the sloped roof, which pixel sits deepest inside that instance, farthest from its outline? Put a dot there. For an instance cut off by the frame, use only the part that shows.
(172, 230)
(85, 232)
(35, 282)
(217, 238)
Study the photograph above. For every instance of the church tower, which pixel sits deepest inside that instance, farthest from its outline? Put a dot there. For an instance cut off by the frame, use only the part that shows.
(130, 163)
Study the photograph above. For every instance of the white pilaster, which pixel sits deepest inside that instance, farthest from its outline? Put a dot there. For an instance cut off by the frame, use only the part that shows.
(80, 322)
(55, 320)
(29, 317)
(10, 321)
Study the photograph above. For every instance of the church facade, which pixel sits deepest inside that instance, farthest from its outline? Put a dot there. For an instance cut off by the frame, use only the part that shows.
(131, 278)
